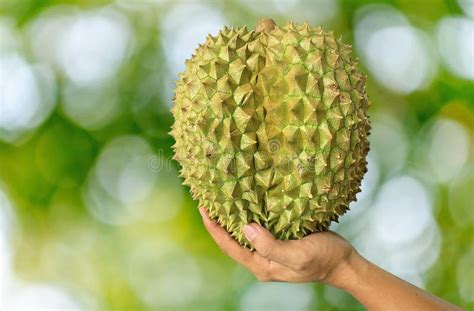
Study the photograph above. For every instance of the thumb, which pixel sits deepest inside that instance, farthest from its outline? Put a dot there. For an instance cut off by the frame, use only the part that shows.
(266, 244)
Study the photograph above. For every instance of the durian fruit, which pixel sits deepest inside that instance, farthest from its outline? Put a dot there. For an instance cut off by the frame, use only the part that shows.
(271, 127)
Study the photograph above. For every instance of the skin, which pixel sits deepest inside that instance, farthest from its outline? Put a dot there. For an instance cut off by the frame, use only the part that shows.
(323, 257)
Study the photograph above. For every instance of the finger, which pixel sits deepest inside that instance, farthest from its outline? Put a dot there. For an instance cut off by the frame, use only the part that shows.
(227, 244)
(267, 246)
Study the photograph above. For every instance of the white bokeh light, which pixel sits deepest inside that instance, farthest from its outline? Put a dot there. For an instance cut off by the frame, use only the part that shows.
(399, 59)
(26, 95)
(312, 11)
(402, 235)
(389, 143)
(126, 158)
(45, 31)
(455, 38)
(372, 17)
(354, 220)
(402, 211)
(184, 27)
(465, 275)
(417, 256)
(123, 187)
(271, 6)
(397, 54)
(104, 196)
(40, 297)
(448, 149)
(19, 93)
(277, 297)
(92, 107)
(93, 46)
(16, 294)
(163, 275)
(371, 178)
(88, 47)
(467, 6)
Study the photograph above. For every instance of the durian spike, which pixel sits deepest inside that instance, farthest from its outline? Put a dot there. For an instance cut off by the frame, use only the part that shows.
(265, 25)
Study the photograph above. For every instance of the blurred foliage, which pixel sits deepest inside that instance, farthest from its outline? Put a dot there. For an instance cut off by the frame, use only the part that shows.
(45, 173)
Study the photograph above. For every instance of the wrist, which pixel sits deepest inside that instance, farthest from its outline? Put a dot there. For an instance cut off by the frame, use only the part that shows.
(348, 275)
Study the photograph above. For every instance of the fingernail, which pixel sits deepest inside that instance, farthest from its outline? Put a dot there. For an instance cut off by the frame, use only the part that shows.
(202, 211)
(250, 232)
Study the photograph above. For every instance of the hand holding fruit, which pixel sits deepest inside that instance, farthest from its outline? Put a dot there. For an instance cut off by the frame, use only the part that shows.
(323, 257)
(317, 257)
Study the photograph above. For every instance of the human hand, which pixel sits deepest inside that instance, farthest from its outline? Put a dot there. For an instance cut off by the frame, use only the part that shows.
(318, 257)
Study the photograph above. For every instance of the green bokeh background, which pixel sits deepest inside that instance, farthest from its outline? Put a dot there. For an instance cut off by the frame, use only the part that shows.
(170, 263)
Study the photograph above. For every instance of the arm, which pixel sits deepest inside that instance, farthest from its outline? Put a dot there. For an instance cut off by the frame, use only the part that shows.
(378, 289)
(327, 258)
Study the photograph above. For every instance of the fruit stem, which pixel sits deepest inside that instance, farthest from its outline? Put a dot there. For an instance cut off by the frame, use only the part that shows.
(265, 24)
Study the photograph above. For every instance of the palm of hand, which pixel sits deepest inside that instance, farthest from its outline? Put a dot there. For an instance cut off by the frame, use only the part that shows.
(313, 258)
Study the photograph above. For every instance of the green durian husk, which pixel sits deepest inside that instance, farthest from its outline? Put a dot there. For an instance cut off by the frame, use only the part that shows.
(271, 127)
